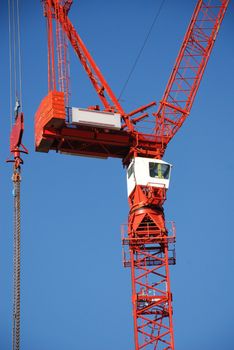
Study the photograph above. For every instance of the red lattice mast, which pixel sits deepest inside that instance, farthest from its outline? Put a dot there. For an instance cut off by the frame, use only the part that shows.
(151, 251)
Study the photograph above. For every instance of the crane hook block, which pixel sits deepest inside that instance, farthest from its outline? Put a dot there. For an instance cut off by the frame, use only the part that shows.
(17, 134)
(16, 146)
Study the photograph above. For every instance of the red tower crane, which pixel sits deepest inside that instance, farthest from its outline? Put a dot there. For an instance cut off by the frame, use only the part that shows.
(139, 138)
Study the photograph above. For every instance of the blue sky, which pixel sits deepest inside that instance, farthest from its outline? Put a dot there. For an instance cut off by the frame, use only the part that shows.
(75, 292)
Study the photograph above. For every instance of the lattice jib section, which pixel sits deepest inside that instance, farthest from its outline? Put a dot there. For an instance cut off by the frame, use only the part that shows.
(190, 65)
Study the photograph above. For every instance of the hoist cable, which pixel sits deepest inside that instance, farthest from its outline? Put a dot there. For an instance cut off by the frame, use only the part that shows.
(19, 55)
(15, 60)
(14, 48)
(141, 50)
(10, 59)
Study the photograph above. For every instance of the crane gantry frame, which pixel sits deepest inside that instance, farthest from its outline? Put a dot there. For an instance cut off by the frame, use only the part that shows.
(147, 237)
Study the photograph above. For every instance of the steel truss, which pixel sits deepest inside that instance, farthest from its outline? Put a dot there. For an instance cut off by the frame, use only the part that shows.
(150, 253)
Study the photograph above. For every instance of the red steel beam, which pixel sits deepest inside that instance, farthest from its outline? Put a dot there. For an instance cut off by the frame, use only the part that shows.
(190, 64)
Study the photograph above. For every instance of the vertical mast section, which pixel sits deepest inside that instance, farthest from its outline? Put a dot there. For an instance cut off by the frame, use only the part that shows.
(50, 43)
(63, 55)
(63, 64)
(149, 256)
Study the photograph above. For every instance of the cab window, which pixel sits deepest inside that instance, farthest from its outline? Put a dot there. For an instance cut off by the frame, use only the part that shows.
(159, 171)
(130, 170)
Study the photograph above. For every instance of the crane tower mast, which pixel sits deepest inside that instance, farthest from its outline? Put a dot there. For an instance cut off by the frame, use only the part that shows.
(111, 132)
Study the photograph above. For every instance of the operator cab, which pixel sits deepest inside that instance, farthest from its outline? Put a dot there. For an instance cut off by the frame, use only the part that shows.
(148, 172)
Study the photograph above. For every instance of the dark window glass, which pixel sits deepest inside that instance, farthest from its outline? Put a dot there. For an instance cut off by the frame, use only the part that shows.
(158, 170)
(130, 170)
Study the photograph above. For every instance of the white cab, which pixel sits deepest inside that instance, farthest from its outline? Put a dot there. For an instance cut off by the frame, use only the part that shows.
(148, 172)
(96, 118)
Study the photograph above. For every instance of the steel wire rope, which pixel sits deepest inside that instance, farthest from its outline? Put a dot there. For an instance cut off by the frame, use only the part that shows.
(10, 59)
(141, 49)
(15, 60)
(19, 54)
(14, 48)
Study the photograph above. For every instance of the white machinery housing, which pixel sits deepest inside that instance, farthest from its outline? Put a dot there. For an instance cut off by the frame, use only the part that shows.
(99, 119)
(148, 172)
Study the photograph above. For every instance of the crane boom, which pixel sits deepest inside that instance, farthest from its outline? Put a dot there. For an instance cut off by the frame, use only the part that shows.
(132, 139)
(189, 67)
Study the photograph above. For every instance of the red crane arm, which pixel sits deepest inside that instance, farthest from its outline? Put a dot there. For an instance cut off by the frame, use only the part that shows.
(142, 135)
(190, 64)
(59, 10)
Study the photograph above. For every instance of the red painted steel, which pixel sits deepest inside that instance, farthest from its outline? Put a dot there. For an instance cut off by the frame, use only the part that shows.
(149, 242)
(50, 114)
(63, 63)
(48, 11)
(175, 106)
(16, 145)
(55, 9)
(190, 64)
(150, 254)
(17, 132)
